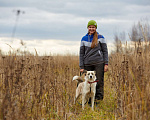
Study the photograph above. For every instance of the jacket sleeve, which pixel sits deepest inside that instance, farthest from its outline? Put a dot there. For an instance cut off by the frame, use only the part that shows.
(104, 50)
(81, 57)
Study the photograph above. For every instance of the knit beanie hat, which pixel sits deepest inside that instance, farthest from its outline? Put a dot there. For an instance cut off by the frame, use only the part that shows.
(92, 22)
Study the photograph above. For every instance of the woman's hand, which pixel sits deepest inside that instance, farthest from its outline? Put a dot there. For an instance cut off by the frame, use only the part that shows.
(105, 68)
(81, 70)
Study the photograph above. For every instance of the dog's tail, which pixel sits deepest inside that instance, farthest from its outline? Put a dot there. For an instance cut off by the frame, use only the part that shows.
(78, 79)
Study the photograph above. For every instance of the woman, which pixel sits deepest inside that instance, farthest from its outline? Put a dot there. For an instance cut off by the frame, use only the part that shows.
(94, 56)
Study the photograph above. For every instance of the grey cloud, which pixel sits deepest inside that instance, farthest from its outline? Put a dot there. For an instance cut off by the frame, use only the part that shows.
(67, 19)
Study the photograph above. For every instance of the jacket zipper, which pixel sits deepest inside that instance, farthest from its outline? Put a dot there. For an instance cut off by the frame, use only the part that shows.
(99, 52)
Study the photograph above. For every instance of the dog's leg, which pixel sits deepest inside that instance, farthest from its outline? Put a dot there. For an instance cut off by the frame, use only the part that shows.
(77, 95)
(92, 102)
(76, 98)
(83, 101)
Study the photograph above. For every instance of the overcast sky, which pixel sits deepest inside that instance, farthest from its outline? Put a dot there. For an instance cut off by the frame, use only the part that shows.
(57, 26)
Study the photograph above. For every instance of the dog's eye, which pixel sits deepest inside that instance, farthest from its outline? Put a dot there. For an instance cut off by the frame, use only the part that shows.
(92, 73)
(88, 73)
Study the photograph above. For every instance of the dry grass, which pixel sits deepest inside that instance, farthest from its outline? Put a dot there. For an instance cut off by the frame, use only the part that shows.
(34, 87)
(130, 76)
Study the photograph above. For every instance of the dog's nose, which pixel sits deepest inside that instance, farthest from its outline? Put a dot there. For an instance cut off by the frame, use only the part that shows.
(90, 76)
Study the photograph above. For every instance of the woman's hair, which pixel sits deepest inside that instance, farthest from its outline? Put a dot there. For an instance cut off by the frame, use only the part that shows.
(95, 40)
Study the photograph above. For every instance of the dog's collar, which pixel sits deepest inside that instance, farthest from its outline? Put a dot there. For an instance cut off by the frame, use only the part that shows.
(93, 82)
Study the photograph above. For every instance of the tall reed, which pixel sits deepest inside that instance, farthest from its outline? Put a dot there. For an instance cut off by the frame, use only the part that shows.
(34, 87)
(130, 76)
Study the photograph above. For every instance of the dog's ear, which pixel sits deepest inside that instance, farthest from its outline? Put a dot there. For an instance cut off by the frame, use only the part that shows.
(94, 71)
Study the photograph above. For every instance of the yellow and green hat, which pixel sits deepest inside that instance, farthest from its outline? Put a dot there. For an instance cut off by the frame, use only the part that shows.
(92, 22)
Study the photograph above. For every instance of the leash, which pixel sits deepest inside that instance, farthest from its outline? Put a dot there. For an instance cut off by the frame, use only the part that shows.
(91, 83)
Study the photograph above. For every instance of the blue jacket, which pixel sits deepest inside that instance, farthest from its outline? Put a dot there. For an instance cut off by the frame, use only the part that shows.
(93, 56)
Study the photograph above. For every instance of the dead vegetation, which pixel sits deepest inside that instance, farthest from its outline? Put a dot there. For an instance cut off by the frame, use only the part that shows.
(34, 87)
(40, 87)
(130, 76)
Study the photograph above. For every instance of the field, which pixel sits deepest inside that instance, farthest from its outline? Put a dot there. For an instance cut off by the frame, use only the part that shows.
(130, 76)
(36, 87)
(33, 87)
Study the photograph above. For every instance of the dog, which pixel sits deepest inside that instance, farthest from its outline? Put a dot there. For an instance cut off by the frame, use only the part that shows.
(87, 88)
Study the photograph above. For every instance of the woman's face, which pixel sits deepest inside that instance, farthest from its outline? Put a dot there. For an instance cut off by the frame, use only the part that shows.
(91, 29)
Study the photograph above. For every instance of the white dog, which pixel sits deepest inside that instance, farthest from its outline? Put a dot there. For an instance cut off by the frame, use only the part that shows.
(87, 89)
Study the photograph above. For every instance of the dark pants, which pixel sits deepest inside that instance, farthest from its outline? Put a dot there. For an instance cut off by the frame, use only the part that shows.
(99, 68)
